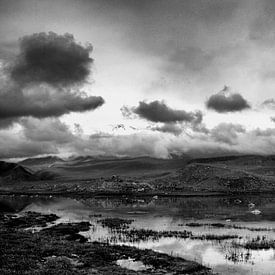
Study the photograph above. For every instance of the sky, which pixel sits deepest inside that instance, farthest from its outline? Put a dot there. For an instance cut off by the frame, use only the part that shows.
(137, 77)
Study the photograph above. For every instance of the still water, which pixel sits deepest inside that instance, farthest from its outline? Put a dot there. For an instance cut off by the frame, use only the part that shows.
(243, 217)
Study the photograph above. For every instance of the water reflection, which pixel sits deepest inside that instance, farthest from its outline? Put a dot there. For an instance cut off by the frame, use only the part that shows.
(230, 215)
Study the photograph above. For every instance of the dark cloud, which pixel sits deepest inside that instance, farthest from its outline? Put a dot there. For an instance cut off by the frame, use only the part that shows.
(43, 102)
(224, 102)
(272, 119)
(51, 58)
(227, 133)
(158, 111)
(44, 80)
(6, 123)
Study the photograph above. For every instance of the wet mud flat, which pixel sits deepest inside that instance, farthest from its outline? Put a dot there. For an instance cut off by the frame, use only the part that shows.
(120, 228)
(33, 243)
(122, 232)
(229, 235)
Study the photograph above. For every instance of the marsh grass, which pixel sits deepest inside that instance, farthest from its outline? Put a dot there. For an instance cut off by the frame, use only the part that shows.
(258, 243)
(51, 252)
(115, 223)
(228, 226)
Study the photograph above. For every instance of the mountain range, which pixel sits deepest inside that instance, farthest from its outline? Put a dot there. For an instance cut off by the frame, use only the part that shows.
(219, 174)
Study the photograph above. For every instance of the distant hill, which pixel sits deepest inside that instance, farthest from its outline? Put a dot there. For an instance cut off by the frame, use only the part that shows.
(84, 167)
(226, 174)
(14, 171)
(238, 160)
(180, 174)
(222, 178)
(98, 157)
(223, 174)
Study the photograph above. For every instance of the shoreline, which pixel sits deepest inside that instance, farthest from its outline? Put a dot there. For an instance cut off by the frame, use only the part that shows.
(129, 194)
(62, 249)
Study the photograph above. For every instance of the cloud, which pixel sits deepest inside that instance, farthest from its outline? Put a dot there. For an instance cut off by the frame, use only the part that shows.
(51, 136)
(227, 133)
(7, 123)
(38, 137)
(142, 144)
(158, 111)
(172, 121)
(43, 102)
(51, 58)
(45, 79)
(78, 129)
(269, 132)
(189, 60)
(17, 146)
(224, 102)
(272, 119)
(127, 112)
(269, 103)
(8, 49)
(46, 130)
(171, 128)
(100, 135)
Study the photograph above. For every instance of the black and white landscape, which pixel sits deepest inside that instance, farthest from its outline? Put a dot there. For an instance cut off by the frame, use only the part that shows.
(137, 137)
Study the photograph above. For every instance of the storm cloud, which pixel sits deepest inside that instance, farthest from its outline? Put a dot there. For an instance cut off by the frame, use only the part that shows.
(224, 102)
(51, 58)
(45, 79)
(43, 102)
(158, 111)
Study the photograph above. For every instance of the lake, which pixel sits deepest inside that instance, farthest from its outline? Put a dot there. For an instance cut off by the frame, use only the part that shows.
(222, 227)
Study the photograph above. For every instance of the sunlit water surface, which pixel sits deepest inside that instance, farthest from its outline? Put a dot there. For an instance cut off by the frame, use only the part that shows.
(172, 214)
